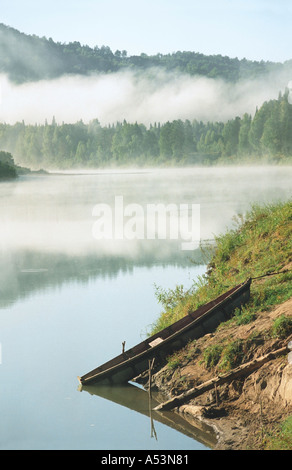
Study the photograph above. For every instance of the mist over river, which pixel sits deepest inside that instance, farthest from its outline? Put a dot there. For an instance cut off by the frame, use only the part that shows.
(68, 300)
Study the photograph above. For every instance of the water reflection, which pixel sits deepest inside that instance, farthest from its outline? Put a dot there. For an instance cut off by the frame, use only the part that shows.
(68, 302)
(24, 272)
(46, 221)
(137, 399)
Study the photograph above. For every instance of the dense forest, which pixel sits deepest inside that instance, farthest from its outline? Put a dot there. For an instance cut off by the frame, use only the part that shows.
(266, 136)
(30, 58)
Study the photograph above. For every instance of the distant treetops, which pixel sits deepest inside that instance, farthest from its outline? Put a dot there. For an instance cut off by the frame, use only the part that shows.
(265, 136)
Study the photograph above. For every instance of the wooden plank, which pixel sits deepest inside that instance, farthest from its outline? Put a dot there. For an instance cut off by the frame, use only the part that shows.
(155, 342)
(244, 369)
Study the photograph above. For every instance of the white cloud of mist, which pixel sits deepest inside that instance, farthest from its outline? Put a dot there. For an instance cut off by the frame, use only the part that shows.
(55, 214)
(152, 96)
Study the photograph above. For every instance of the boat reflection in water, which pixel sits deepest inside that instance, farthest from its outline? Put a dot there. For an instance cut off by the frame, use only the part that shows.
(138, 399)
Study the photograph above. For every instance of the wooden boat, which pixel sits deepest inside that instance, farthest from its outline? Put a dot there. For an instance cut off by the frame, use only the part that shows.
(205, 319)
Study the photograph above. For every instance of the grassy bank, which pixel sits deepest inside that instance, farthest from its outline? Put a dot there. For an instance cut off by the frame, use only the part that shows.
(260, 243)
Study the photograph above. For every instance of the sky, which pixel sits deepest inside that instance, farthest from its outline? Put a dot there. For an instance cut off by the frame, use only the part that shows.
(254, 29)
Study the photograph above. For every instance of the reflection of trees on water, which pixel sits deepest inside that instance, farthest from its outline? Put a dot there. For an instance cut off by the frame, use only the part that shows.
(25, 271)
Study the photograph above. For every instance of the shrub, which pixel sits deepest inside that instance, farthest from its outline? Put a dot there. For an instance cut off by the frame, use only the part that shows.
(282, 327)
(232, 354)
(174, 361)
(212, 355)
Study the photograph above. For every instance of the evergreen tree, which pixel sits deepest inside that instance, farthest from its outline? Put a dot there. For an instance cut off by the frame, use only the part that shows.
(165, 140)
(271, 141)
(257, 127)
(244, 147)
(231, 137)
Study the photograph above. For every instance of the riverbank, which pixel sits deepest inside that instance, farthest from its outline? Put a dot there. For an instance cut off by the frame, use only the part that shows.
(247, 412)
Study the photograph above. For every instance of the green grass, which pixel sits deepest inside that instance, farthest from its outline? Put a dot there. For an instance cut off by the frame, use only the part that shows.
(260, 243)
(212, 355)
(229, 353)
(282, 327)
(281, 437)
(174, 361)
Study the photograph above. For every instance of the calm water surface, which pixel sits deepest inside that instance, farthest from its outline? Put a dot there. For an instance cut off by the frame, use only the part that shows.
(68, 301)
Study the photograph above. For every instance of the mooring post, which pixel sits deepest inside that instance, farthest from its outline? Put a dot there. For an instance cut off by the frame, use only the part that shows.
(151, 363)
(153, 432)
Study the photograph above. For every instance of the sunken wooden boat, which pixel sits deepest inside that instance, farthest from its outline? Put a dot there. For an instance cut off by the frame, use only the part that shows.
(131, 363)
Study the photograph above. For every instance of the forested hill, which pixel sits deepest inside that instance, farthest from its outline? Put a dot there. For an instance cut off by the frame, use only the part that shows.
(30, 58)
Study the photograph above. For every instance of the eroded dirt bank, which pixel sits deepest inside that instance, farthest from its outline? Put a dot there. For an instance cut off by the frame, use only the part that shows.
(243, 411)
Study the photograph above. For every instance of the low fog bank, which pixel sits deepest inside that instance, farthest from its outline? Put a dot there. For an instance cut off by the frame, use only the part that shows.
(55, 213)
(47, 221)
(145, 97)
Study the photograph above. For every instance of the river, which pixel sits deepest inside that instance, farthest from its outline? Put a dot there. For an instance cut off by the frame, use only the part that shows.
(70, 298)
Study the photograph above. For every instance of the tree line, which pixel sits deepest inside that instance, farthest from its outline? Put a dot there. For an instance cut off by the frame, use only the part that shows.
(30, 58)
(266, 135)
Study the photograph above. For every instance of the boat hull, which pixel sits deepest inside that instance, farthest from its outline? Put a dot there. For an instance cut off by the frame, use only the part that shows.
(135, 361)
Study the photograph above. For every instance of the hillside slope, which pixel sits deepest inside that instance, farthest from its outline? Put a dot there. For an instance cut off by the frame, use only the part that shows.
(30, 58)
(248, 412)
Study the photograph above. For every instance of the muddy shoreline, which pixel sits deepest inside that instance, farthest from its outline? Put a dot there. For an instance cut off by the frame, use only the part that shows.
(238, 414)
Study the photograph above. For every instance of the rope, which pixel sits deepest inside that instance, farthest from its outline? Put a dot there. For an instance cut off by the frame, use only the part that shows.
(271, 274)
